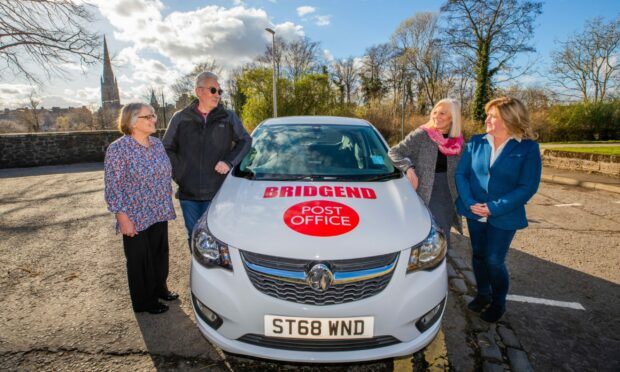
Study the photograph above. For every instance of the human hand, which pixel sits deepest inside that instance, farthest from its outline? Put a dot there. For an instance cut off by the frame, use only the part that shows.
(221, 167)
(126, 225)
(480, 209)
(413, 178)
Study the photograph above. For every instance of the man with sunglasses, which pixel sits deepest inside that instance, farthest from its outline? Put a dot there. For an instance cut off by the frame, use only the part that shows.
(204, 142)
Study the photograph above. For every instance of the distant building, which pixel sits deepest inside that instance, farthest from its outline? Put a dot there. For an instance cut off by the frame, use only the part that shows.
(154, 102)
(110, 98)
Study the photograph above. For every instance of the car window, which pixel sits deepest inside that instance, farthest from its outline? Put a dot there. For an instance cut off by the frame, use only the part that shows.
(306, 151)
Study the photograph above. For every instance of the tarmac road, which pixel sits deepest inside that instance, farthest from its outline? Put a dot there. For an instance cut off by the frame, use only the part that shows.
(569, 254)
(65, 305)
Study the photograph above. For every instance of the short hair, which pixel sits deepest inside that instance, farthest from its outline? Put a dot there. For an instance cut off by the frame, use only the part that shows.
(515, 116)
(205, 75)
(455, 113)
(128, 116)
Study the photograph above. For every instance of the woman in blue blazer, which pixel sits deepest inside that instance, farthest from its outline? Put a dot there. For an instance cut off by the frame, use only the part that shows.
(498, 173)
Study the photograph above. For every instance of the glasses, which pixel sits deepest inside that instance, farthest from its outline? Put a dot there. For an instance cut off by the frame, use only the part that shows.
(214, 90)
(148, 117)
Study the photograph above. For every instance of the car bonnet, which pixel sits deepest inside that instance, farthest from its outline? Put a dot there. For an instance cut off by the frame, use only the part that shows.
(318, 220)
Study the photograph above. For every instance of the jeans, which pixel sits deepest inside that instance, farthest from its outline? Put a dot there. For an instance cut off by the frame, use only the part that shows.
(192, 211)
(490, 247)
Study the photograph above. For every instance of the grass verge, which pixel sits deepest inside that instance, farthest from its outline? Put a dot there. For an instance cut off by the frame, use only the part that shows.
(610, 150)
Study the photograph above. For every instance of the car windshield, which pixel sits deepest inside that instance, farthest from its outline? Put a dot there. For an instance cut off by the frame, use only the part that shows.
(317, 152)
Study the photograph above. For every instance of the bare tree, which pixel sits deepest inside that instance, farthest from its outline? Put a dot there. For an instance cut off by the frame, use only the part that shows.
(185, 84)
(294, 59)
(463, 79)
(301, 58)
(267, 57)
(345, 78)
(395, 72)
(30, 116)
(488, 35)
(48, 33)
(237, 98)
(371, 74)
(588, 62)
(416, 41)
(536, 98)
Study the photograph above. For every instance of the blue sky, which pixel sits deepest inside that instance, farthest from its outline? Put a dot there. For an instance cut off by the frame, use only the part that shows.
(156, 41)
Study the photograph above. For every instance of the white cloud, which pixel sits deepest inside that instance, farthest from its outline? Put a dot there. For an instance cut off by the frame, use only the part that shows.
(231, 36)
(303, 10)
(358, 63)
(289, 31)
(86, 96)
(72, 67)
(152, 45)
(322, 20)
(15, 95)
(60, 101)
(328, 56)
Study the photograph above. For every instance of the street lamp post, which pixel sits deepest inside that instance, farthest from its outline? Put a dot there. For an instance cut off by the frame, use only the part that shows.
(273, 52)
(402, 120)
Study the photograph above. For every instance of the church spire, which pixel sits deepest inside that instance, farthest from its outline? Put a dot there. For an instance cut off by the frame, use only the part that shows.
(154, 102)
(109, 88)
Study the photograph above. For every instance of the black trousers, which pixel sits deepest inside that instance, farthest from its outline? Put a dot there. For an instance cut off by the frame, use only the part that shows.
(441, 205)
(147, 265)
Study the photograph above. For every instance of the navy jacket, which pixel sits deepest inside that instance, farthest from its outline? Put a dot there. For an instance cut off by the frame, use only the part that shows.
(505, 187)
(194, 147)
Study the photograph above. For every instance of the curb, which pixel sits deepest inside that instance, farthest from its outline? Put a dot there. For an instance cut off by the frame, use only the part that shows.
(497, 346)
(586, 184)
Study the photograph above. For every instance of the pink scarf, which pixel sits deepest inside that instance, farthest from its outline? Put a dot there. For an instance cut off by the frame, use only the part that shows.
(448, 146)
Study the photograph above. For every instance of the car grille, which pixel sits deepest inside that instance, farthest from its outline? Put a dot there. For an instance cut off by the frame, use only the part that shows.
(318, 345)
(284, 278)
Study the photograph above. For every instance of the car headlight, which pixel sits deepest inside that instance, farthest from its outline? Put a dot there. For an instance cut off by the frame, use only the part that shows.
(429, 253)
(209, 251)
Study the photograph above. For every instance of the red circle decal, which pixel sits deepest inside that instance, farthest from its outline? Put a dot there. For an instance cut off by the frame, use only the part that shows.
(321, 218)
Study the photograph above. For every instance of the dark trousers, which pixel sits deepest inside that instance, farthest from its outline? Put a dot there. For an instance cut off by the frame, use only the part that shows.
(147, 265)
(490, 247)
(441, 205)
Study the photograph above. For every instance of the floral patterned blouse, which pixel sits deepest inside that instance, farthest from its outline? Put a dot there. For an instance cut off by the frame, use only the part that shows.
(138, 181)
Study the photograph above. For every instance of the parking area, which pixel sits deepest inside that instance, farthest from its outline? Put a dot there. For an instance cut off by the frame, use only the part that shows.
(65, 304)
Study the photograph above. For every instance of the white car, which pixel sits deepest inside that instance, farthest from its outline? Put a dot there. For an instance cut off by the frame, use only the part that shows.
(317, 249)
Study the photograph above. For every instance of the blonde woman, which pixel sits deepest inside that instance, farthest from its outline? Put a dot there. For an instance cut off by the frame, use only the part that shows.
(498, 173)
(429, 156)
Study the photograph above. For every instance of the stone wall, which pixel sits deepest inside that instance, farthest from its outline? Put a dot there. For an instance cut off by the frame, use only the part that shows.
(37, 149)
(55, 148)
(592, 163)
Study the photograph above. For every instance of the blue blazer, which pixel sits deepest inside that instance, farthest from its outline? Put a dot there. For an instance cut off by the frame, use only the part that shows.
(505, 187)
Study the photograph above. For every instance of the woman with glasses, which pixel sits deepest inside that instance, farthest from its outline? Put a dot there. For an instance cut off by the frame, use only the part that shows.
(138, 190)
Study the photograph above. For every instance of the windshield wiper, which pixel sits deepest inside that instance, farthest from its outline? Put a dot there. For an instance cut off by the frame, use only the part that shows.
(383, 177)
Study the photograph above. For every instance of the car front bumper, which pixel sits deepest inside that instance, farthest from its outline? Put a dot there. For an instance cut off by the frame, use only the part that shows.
(242, 308)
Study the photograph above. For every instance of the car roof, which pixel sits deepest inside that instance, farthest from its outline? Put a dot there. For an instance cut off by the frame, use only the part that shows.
(319, 120)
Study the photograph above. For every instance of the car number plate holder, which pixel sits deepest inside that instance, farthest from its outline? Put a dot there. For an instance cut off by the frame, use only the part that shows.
(319, 328)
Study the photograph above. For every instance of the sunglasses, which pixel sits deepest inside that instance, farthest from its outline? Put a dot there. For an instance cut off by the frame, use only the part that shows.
(214, 90)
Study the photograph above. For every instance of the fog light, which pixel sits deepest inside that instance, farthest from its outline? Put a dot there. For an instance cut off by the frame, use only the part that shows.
(431, 317)
(206, 314)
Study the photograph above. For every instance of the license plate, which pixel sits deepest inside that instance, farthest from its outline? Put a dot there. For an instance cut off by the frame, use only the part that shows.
(319, 328)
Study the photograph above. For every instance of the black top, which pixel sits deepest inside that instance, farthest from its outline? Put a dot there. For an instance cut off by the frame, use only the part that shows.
(441, 166)
(195, 146)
